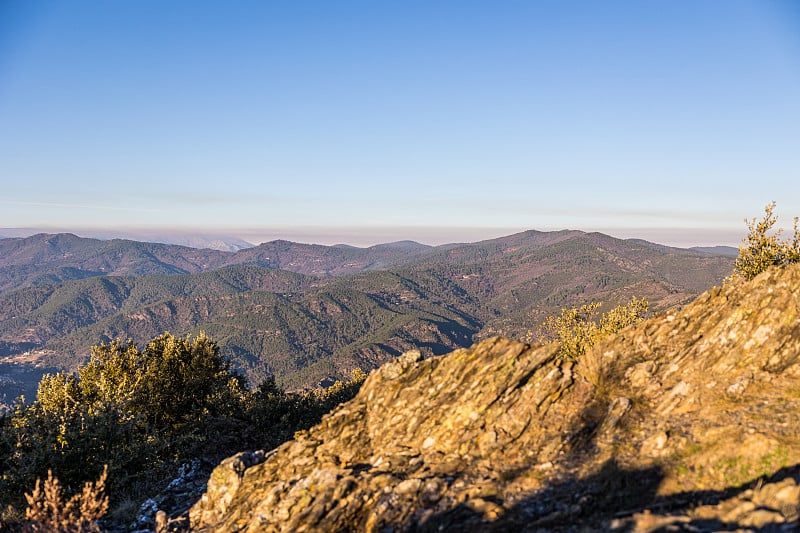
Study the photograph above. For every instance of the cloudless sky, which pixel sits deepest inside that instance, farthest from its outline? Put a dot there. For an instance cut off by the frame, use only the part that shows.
(368, 121)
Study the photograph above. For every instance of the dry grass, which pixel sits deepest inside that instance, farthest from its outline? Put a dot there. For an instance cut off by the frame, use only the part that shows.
(48, 510)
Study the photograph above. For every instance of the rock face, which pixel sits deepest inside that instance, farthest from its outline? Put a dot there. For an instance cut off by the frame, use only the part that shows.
(688, 421)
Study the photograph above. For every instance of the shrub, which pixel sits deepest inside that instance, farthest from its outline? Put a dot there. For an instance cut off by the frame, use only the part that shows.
(578, 329)
(49, 510)
(139, 412)
(763, 248)
(142, 413)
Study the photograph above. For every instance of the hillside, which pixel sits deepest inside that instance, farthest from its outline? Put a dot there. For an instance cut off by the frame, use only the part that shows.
(320, 261)
(47, 259)
(270, 322)
(686, 422)
(44, 259)
(525, 277)
(308, 329)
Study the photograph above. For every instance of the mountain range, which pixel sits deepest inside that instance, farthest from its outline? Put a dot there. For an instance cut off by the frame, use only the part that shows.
(308, 314)
(214, 241)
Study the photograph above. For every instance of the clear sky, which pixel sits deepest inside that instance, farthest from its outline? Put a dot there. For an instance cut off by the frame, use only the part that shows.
(367, 121)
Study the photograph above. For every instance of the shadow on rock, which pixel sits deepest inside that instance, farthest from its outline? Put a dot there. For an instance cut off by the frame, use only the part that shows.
(568, 505)
(616, 499)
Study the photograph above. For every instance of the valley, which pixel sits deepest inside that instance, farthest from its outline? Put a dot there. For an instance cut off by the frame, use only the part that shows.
(310, 314)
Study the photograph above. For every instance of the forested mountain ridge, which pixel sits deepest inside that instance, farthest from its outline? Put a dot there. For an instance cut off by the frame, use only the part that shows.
(268, 321)
(319, 260)
(339, 307)
(46, 259)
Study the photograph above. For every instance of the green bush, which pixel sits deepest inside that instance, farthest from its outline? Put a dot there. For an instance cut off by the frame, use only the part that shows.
(137, 411)
(143, 412)
(578, 328)
(763, 248)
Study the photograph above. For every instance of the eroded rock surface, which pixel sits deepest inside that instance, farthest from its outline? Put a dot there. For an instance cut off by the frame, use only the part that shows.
(687, 422)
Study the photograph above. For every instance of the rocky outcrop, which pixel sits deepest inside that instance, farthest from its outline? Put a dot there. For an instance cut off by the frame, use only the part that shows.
(689, 420)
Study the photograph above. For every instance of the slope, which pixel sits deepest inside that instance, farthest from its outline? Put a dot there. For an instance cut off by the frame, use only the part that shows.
(523, 278)
(686, 421)
(306, 330)
(36, 315)
(47, 259)
(321, 261)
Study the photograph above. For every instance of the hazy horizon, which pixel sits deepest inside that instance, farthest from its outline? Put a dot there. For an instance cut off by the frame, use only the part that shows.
(360, 238)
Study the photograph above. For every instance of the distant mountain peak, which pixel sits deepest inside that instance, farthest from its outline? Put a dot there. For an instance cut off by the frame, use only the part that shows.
(728, 251)
(191, 240)
(406, 244)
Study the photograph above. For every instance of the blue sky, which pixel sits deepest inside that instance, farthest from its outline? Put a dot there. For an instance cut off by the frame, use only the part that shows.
(368, 121)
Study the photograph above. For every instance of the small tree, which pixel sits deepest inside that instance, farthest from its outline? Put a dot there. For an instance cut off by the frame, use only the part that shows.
(762, 248)
(185, 381)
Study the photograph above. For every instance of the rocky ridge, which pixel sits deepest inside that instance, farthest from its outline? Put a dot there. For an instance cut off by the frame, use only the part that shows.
(687, 422)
